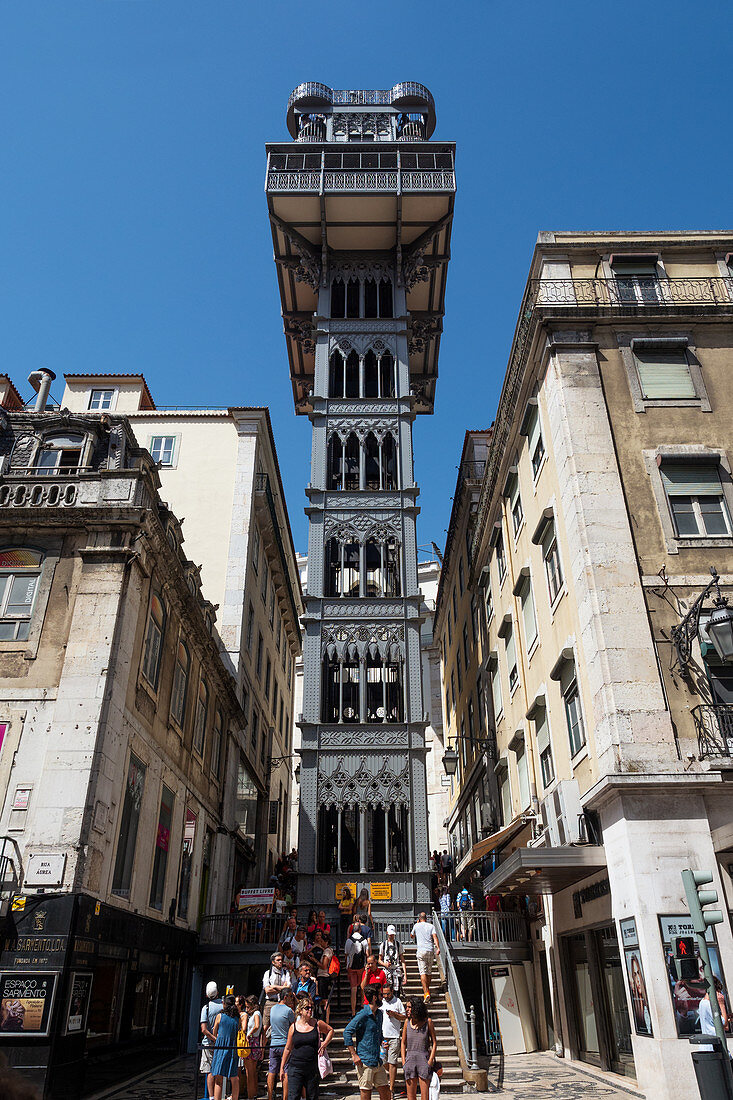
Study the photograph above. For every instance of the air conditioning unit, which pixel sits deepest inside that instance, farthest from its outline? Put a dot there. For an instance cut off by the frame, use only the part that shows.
(561, 814)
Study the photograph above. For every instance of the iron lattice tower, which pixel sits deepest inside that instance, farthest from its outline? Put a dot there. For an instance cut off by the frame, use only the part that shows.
(361, 204)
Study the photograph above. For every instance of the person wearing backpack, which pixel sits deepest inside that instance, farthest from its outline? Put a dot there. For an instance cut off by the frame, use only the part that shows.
(325, 975)
(355, 952)
(392, 958)
(464, 901)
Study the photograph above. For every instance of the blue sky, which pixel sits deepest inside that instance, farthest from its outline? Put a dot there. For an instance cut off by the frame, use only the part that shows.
(133, 224)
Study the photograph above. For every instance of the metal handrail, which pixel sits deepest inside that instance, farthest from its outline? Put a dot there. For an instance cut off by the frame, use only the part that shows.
(462, 1018)
(478, 926)
(714, 726)
(256, 930)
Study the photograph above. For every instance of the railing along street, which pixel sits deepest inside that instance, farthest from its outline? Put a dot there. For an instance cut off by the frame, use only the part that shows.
(475, 926)
(714, 725)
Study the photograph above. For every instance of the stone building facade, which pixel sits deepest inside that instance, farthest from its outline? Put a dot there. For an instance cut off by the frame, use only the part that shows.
(129, 791)
(360, 205)
(606, 499)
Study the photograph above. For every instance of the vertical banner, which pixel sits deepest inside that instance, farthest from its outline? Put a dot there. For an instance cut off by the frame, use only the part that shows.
(635, 975)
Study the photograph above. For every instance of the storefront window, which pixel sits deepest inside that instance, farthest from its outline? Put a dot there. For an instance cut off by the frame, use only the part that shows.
(688, 992)
(585, 1015)
(104, 1010)
(162, 843)
(128, 828)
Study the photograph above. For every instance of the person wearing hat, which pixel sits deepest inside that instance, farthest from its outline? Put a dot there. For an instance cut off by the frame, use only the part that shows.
(274, 981)
(392, 958)
(209, 1013)
(355, 950)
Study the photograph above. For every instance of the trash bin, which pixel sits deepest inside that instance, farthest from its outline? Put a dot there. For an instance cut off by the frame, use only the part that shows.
(712, 1069)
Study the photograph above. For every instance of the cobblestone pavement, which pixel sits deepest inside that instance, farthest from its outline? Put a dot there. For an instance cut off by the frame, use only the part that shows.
(526, 1077)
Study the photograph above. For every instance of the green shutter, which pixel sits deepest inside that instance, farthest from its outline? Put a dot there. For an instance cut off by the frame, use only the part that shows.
(665, 374)
(542, 729)
(691, 479)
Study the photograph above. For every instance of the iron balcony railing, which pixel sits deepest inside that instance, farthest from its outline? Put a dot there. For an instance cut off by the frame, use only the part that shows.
(242, 928)
(262, 485)
(394, 181)
(472, 926)
(714, 725)
(632, 290)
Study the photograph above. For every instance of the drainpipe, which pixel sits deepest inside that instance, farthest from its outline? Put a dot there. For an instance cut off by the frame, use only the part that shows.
(41, 381)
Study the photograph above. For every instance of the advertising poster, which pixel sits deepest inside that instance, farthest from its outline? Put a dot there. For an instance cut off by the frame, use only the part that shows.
(257, 902)
(688, 992)
(79, 999)
(635, 976)
(26, 1001)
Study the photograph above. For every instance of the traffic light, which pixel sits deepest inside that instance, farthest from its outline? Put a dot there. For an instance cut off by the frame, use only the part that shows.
(686, 963)
(697, 898)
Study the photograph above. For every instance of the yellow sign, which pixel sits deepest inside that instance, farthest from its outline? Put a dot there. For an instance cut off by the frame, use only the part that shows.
(18, 905)
(341, 886)
(381, 891)
(97, 907)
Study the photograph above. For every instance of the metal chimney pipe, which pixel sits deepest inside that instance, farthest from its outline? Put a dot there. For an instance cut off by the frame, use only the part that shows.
(41, 381)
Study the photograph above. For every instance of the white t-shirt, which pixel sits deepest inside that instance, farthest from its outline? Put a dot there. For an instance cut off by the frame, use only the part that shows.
(423, 933)
(392, 1029)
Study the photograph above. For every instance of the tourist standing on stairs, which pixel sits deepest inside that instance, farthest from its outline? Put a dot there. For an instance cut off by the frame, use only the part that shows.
(307, 1039)
(428, 948)
(419, 1045)
(362, 911)
(393, 1017)
(363, 1037)
(225, 1060)
(392, 958)
(274, 981)
(281, 1017)
(208, 1015)
(355, 952)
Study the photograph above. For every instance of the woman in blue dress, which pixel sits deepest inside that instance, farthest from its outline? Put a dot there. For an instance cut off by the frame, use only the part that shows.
(225, 1059)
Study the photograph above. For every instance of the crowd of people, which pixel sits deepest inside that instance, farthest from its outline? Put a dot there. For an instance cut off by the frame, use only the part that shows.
(289, 1021)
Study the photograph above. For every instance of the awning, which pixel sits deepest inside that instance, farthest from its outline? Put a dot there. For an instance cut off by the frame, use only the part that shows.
(545, 870)
(490, 844)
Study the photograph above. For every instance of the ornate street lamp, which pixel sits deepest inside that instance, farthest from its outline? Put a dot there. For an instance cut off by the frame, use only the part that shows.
(450, 761)
(719, 626)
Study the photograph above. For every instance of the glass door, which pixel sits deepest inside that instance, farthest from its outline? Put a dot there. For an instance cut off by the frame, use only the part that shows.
(585, 1005)
(619, 1025)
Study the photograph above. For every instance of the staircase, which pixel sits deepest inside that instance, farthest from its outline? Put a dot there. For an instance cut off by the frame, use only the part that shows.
(344, 1082)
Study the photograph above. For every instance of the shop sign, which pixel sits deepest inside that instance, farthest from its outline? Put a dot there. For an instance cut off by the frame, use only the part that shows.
(589, 893)
(26, 1002)
(381, 891)
(256, 901)
(77, 1009)
(341, 886)
(635, 975)
(45, 869)
(37, 950)
(687, 993)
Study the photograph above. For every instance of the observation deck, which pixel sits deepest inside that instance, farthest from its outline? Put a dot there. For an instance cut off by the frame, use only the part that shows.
(361, 176)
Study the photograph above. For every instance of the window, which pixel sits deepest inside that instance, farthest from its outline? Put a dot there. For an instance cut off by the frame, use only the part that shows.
(515, 503)
(268, 677)
(696, 499)
(255, 548)
(199, 729)
(258, 666)
(154, 640)
(162, 449)
(217, 743)
(636, 279)
(290, 670)
(20, 572)
(129, 821)
(481, 705)
(461, 578)
(489, 604)
(180, 684)
(496, 691)
(101, 399)
(60, 454)
(454, 605)
(250, 627)
(535, 444)
(466, 656)
(453, 690)
(553, 569)
(522, 774)
(265, 579)
(574, 718)
(162, 844)
(278, 629)
(272, 605)
(281, 723)
(274, 701)
(459, 670)
(273, 816)
(528, 612)
(500, 559)
(474, 620)
(664, 374)
(471, 722)
(511, 658)
(447, 706)
(255, 727)
(505, 791)
(544, 748)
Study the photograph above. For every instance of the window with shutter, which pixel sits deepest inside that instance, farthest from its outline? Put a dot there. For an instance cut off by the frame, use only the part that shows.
(544, 748)
(496, 691)
(696, 500)
(664, 374)
(511, 659)
(528, 613)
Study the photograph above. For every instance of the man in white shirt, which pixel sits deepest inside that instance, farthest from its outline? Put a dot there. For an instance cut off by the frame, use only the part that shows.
(393, 1017)
(274, 980)
(428, 947)
(209, 1013)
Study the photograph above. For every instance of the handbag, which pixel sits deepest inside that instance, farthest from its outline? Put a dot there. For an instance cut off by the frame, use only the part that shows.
(242, 1044)
(325, 1066)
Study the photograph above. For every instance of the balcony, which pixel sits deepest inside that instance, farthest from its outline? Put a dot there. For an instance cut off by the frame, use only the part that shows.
(474, 934)
(365, 181)
(635, 291)
(714, 726)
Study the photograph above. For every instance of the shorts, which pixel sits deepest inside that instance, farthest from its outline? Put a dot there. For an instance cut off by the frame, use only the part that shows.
(417, 1065)
(425, 962)
(206, 1055)
(394, 1051)
(355, 977)
(276, 1057)
(371, 1077)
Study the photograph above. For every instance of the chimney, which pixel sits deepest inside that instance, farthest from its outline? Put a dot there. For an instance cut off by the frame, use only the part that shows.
(41, 381)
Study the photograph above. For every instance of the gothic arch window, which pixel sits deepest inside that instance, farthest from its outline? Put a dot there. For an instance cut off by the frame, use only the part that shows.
(330, 690)
(371, 462)
(371, 298)
(392, 585)
(352, 375)
(394, 696)
(340, 691)
(387, 386)
(336, 375)
(385, 298)
(332, 585)
(338, 298)
(388, 459)
(374, 694)
(351, 463)
(371, 375)
(350, 569)
(350, 690)
(373, 575)
(334, 462)
(352, 298)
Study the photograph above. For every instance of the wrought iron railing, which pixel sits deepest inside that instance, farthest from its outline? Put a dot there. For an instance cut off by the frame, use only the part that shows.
(262, 485)
(361, 179)
(714, 726)
(241, 929)
(472, 926)
(403, 925)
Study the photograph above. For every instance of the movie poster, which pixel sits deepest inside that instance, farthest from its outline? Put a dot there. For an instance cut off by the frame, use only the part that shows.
(635, 974)
(26, 1002)
(79, 998)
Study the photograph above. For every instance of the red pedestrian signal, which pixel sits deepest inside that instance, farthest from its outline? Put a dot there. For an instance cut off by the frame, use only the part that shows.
(687, 965)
